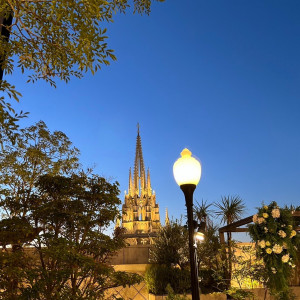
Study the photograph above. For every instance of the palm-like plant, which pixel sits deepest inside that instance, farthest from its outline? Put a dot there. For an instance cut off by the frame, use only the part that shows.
(202, 212)
(230, 209)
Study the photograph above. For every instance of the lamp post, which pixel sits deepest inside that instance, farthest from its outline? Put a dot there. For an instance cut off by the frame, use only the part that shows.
(187, 173)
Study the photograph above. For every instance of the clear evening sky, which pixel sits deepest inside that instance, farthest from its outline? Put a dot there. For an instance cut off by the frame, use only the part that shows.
(219, 77)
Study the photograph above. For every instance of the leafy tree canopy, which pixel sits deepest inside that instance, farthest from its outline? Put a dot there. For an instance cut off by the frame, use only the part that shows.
(55, 39)
(37, 152)
(171, 246)
(54, 221)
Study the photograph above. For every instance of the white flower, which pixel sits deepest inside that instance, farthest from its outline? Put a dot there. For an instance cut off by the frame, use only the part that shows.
(269, 250)
(254, 219)
(277, 249)
(265, 229)
(282, 233)
(275, 213)
(262, 244)
(285, 258)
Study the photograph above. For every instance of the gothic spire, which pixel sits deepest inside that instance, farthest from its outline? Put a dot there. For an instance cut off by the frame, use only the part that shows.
(167, 220)
(130, 186)
(139, 169)
(149, 189)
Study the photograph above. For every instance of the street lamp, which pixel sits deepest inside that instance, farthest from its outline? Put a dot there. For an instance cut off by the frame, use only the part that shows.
(187, 173)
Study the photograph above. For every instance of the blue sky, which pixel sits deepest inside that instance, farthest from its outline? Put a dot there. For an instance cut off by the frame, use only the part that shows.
(219, 77)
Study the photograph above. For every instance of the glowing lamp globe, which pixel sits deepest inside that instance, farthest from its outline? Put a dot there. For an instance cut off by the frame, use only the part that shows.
(187, 169)
(199, 236)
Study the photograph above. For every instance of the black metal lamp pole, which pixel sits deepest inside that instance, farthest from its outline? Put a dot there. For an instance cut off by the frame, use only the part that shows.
(188, 190)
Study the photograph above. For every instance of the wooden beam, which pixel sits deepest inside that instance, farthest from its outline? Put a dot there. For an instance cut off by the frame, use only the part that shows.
(244, 229)
(236, 224)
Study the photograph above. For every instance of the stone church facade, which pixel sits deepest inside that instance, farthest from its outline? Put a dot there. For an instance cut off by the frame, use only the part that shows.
(140, 212)
(140, 218)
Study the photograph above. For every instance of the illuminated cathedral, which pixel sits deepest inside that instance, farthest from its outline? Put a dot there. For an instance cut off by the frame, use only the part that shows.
(140, 212)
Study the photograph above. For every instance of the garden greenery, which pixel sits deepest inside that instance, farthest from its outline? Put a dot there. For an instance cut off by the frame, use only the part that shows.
(158, 277)
(276, 244)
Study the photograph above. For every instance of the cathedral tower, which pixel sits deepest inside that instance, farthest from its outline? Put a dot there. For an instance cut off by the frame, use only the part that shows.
(140, 212)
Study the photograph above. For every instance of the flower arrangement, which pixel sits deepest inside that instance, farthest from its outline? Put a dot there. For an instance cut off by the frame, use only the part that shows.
(276, 243)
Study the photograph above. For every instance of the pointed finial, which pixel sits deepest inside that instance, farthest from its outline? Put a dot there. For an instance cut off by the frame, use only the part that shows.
(167, 220)
(186, 152)
(138, 128)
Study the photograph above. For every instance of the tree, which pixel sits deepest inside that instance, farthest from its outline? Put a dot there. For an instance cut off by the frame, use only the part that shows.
(249, 271)
(67, 257)
(210, 264)
(202, 212)
(52, 230)
(170, 258)
(230, 209)
(171, 246)
(37, 152)
(55, 39)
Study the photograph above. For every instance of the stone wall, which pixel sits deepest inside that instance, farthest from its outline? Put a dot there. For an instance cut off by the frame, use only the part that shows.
(135, 254)
(133, 259)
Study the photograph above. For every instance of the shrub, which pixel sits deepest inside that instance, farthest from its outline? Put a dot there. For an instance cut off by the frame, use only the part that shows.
(276, 243)
(159, 276)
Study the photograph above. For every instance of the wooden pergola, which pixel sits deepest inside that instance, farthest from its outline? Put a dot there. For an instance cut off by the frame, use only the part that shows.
(235, 227)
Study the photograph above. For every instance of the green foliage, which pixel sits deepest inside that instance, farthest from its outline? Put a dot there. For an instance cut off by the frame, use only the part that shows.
(230, 209)
(70, 249)
(172, 295)
(61, 38)
(276, 244)
(9, 119)
(171, 250)
(202, 212)
(210, 264)
(52, 230)
(249, 272)
(169, 256)
(238, 294)
(158, 277)
(37, 152)
(55, 39)
(171, 246)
